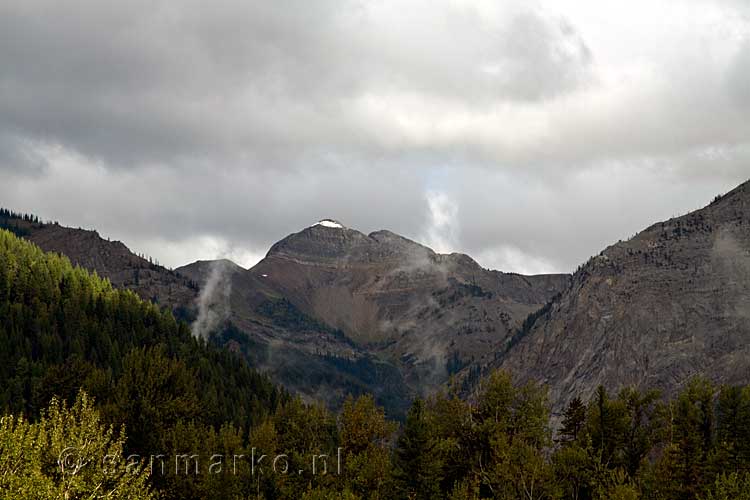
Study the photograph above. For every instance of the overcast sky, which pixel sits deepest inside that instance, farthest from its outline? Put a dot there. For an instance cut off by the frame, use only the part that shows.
(529, 135)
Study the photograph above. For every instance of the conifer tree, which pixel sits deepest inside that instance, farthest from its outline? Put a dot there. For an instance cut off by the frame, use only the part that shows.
(416, 469)
(574, 418)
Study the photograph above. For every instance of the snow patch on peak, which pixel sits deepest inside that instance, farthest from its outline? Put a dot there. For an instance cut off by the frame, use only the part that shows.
(329, 223)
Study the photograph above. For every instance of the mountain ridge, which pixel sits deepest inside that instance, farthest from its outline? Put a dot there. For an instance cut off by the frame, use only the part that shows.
(666, 305)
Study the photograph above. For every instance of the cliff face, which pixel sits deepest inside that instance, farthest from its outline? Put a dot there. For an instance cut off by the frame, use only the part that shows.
(671, 303)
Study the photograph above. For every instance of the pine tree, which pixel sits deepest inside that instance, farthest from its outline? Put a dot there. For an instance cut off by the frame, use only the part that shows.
(416, 469)
(574, 418)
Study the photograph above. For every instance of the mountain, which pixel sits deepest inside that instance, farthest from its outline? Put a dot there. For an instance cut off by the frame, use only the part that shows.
(431, 314)
(238, 310)
(110, 259)
(331, 310)
(669, 304)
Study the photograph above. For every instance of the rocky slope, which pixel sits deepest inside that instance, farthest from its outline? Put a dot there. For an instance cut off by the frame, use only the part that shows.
(110, 259)
(356, 312)
(238, 310)
(654, 311)
(431, 314)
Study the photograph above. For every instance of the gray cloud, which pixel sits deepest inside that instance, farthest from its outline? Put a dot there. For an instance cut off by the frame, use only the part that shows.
(134, 84)
(738, 77)
(191, 130)
(19, 154)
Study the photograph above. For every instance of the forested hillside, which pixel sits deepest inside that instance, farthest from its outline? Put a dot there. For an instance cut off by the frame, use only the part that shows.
(61, 328)
(179, 419)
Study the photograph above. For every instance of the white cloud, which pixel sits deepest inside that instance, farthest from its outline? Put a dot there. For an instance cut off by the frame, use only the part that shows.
(510, 258)
(442, 230)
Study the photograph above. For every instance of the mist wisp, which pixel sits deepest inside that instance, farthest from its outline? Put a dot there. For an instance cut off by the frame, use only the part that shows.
(213, 301)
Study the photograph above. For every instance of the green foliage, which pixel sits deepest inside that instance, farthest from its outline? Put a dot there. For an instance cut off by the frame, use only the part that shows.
(153, 391)
(68, 454)
(616, 486)
(575, 467)
(733, 425)
(416, 466)
(574, 419)
(692, 436)
(62, 327)
(365, 441)
(514, 429)
(732, 486)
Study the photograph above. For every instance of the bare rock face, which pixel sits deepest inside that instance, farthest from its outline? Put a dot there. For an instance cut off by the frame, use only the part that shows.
(431, 314)
(671, 303)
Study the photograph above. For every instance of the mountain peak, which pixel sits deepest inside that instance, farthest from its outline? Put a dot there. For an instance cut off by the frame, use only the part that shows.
(330, 223)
